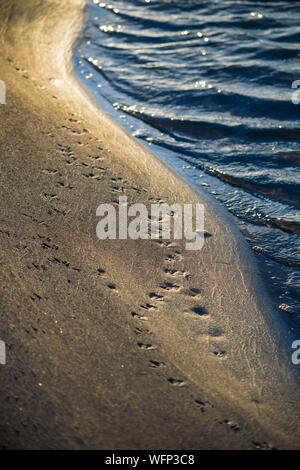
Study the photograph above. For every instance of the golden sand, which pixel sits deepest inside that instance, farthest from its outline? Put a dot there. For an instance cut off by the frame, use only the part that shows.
(91, 366)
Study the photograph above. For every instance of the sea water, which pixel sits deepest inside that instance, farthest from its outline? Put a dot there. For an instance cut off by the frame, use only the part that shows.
(212, 87)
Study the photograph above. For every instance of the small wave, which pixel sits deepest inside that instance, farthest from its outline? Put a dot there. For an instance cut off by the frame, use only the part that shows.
(280, 192)
(213, 130)
(210, 83)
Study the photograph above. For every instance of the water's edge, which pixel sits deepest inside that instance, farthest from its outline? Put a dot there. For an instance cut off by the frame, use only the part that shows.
(274, 240)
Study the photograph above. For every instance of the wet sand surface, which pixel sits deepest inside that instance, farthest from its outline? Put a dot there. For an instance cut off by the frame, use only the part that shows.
(118, 344)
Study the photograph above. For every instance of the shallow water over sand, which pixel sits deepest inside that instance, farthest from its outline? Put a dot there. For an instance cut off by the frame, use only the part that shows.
(209, 86)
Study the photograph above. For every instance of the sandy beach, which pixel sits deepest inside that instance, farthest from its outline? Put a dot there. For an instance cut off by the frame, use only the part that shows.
(95, 360)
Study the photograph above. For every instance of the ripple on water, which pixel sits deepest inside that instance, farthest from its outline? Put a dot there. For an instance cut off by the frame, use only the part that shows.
(209, 85)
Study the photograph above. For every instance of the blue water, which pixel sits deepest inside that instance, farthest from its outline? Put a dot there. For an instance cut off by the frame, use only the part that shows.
(209, 86)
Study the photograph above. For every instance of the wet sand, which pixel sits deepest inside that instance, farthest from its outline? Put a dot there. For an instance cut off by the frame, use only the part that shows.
(95, 358)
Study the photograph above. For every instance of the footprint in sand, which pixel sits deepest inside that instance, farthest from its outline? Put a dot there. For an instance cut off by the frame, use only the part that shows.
(215, 331)
(173, 257)
(170, 286)
(101, 272)
(142, 331)
(176, 382)
(165, 244)
(203, 405)
(207, 234)
(193, 292)
(145, 346)
(156, 200)
(137, 190)
(139, 316)
(71, 160)
(176, 273)
(231, 424)
(36, 297)
(119, 179)
(50, 196)
(156, 364)
(111, 286)
(147, 306)
(219, 352)
(90, 175)
(50, 171)
(117, 189)
(155, 296)
(171, 272)
(198, 310)
(263, 445)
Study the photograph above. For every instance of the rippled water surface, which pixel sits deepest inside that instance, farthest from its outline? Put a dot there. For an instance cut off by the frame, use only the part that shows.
(209, 86)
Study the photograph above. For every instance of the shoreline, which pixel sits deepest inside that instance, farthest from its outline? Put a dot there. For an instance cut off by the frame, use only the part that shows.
(68, 331)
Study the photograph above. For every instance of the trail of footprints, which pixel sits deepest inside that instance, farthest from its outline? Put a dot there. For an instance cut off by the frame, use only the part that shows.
(156, 298)
(89, 167)
(172, 285)
(92, 170)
